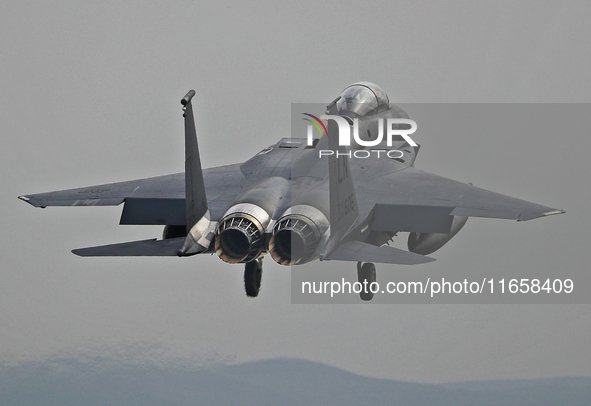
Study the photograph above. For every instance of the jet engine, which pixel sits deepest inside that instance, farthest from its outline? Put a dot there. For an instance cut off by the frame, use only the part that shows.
(296, 235)
(426, 243)
(240, 234)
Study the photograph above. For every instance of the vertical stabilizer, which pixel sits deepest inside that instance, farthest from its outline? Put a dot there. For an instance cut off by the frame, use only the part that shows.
(195, 199)
(343, 202)
(199, 226)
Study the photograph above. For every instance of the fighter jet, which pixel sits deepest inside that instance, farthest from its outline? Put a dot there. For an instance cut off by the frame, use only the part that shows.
(302, 199)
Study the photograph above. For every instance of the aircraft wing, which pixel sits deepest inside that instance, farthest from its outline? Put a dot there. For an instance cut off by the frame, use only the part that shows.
(158, 200)
(423, 194)
(111, 194)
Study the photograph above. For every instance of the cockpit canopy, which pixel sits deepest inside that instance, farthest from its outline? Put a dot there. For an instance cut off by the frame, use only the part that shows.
(363, 99)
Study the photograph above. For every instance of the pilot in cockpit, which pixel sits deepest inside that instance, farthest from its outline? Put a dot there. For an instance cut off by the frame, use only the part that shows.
(362, 99)
(367, 102)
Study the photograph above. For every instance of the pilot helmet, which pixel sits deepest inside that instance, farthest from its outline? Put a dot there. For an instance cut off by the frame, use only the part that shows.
(363, 99)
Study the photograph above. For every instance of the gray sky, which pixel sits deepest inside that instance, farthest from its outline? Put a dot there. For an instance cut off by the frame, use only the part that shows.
(91, 95)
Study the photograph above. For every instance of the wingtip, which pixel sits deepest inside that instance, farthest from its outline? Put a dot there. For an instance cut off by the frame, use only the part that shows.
(553, 212)
(27, 199)
(539, 214)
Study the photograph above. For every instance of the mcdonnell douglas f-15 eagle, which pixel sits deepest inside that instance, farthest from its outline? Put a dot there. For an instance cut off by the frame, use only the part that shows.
(301, 199)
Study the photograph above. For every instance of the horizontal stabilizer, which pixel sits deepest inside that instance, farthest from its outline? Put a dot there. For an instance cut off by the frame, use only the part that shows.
(362, 252)
(144, 248)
